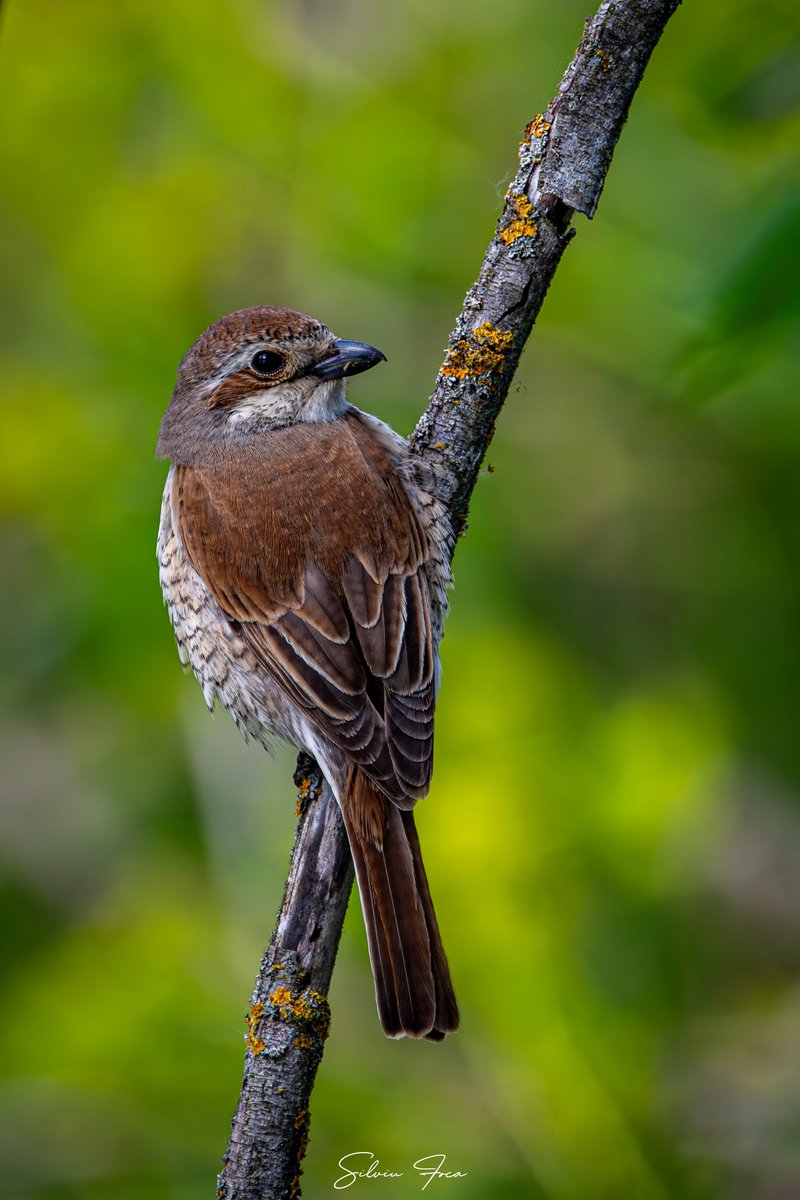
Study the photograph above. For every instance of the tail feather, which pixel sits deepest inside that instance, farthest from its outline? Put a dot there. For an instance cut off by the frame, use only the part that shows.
(447, 1016)
(412, 981)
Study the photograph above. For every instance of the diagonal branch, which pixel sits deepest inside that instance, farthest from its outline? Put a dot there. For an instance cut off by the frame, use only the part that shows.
(563, 161)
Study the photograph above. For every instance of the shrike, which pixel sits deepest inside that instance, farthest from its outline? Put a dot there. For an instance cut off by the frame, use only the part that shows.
(304, 560)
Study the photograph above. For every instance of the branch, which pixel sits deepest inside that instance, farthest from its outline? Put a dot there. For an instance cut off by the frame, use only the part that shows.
(288, 1018)
(563, 161)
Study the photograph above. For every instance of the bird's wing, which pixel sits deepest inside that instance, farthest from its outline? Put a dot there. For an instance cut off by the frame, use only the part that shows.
(315, 552)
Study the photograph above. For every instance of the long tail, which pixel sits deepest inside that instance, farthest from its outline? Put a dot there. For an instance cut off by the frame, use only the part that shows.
(413, 988)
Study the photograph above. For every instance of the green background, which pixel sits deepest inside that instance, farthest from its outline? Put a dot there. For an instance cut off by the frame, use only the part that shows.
(613, 834)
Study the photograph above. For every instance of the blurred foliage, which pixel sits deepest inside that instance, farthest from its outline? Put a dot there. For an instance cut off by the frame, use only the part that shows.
(614, 830)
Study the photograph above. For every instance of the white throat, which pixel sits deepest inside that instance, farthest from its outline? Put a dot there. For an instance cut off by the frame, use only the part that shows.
(305, 399)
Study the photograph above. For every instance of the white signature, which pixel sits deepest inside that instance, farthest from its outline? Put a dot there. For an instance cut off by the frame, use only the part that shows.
(362, 1164)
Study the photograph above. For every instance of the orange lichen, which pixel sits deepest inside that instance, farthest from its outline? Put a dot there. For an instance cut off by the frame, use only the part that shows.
(606, 61)
(536, 128)
(309, 789)
(521, 223)
(281, 997)
(482, 354)
(309, 1008)
(256, 1044)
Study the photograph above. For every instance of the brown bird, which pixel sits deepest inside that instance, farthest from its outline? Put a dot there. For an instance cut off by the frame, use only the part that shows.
(304, 560)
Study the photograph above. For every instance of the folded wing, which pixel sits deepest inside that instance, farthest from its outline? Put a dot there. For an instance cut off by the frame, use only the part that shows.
(329, 591)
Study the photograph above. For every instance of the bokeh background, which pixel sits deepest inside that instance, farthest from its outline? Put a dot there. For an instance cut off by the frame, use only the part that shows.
(614, 831)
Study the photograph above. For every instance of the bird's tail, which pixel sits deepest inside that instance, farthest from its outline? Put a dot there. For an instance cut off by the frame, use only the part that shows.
(413, 988)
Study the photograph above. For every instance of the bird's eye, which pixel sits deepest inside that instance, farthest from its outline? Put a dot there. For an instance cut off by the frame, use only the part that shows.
(267, 362)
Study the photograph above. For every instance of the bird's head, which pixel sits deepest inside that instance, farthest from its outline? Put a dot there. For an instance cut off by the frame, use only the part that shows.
(255, 370)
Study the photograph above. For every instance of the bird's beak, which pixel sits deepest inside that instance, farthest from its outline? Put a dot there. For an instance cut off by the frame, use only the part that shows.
(350, 358)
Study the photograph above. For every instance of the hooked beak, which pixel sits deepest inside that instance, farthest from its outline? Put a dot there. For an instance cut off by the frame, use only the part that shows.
(350, 358)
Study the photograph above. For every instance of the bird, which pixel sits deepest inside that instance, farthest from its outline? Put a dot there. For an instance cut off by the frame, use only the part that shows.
(304, 559)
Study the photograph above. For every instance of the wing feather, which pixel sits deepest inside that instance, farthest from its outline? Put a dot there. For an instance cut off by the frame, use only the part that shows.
(364, 596)
(333, 599)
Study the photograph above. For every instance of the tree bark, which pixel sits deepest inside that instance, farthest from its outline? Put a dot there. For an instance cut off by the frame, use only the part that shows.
(563, 160)
(288, 1018)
